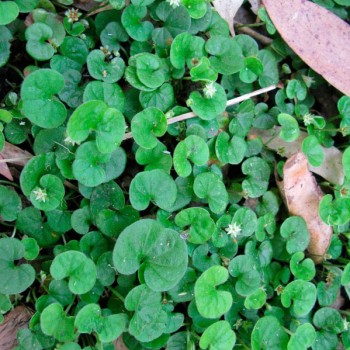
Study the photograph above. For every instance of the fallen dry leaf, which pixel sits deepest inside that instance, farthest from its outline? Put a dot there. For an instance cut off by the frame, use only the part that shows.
(318, 36)
(14, 155)
(255, 5)
(331, 169)
(85, 5)
(119, 344)
(4, 170)
(15, 320)
(227, 10)
(303, 197)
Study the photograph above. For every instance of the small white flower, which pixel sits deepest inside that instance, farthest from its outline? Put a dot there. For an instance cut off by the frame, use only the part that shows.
(209, 90)
(174, 3)
(308, 119)
(40, 195)
(72, 15)
(233, 229)
(346, 324)
(69, 141)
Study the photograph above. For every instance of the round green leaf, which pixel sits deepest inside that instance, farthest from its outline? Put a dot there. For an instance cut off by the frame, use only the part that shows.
(152, 186)
(149, 70)
(268, 334)
(80, 270)
(37, 46)
(203, 71)
(162, 98)
(256, 300)
(294, 230)
(112, 35)
(302, 269)
(159, 252)
(335, 212)
(252, 69)
(290, 127)
(313, 150)
(89, 319)
(39, 105)
(329, 319)
(49, 194)
(208, 107)
(197, 9)
(301, 295)
(54, 322)
(303, 338)
(186, 49)
(210, 187)
(193, 148)
(147, 125)
(218, 336)
(211, 302)
(108, 123)
(5, 38)
(31, 248)
(346, 162)
(132, 22)
(228, 150)
(15, 277)
(109, 72)
(245, 219)
(202, 226)
(10, 204)
(8, 12)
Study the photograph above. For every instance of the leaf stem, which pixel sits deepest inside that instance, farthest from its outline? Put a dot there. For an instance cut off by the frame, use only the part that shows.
(16, 70)
(256, 35)
(229, 103)
(117, 294)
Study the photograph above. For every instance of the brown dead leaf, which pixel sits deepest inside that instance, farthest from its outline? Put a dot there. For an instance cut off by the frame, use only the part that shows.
(4, 170)
(119, 344)
(85, 5)
(227, 9)
(303, 197)
(255, 5)
(15, 320)
(318, 36)
(14, 155)
(331, 169)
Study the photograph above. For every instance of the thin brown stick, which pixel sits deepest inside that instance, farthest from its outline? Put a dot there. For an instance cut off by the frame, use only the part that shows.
(232, 102)
(253, 33)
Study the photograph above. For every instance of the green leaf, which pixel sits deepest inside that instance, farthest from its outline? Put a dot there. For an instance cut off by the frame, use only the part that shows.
(256, 300)
(132, 21)
(258, 174)
(108, 72)
(202, 226)
(345, 278)
(346, 162)
(10, 204)
(335, 212)
(252, 69)
(196, 8)
(112, 35)
(15, 277)
(222, 50)
(268, 334)
(149, 70)
(147, 125)
(302, 269)
(80, 270)
(5, 38)
(159, 252)
(8, 12)
(203, 71)
(162, 98)
(300, 295)
(111, 94)
(294, 230)
(54, 322)
(218, 336)
(186, 49)
(49, 194)
(246, 220)
(329, 319)
(290, 127)
(313, 150)
(152, 186)
(193, 148)
(31, 248)
(89, 319)
(303, 338)
(209, 105)
(26, 6)
(108, 123)
(296, 89)
(210, 187)
(228, 150)
(37, 36)
(149, 320)
(39, 106)
(212, 302)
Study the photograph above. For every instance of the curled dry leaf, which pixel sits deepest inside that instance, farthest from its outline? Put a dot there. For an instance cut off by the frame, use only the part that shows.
(14, 155)
(331, 169)
(303, 197)
(318, 36)
(119, 344)
(15, 320)
(227, 10)
(255, 5)
(4, 170)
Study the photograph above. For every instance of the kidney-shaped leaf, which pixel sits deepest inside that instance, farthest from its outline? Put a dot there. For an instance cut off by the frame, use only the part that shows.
(10, 204)
(211, 302)
(160, 252)
(39, 106)
(8, 12)
(80, 270)
(15, 278)
(108, 123)
(218, 336)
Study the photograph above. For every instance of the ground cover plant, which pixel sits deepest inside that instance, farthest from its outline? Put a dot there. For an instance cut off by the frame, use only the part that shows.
(207, 231)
